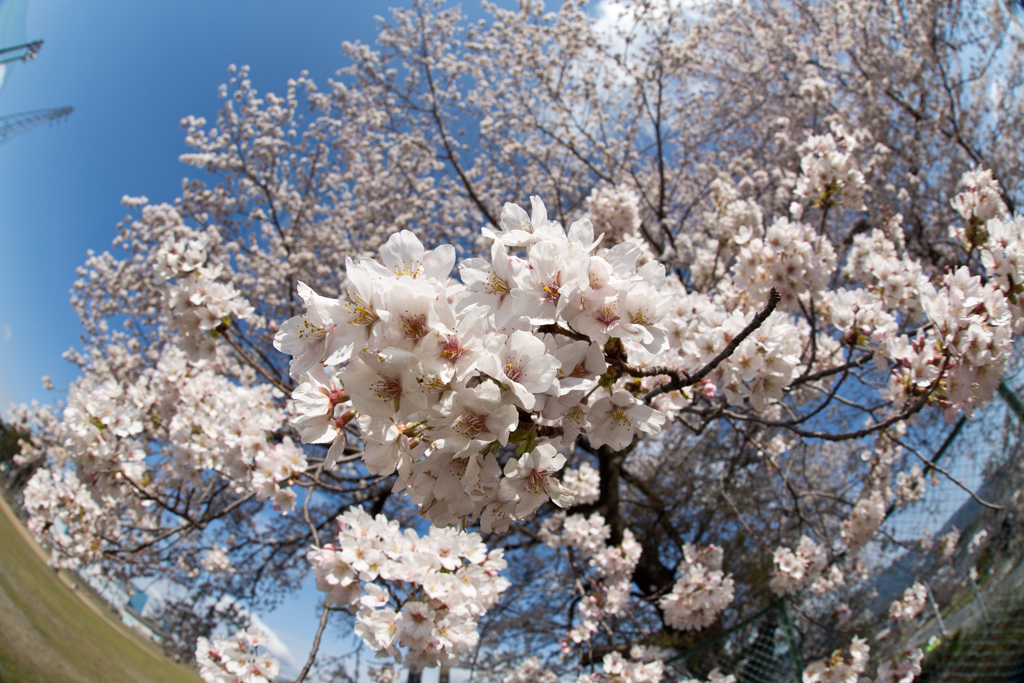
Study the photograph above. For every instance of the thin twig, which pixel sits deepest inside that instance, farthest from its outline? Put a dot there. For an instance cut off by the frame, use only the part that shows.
(931, 465)
(256, 366)
(913, 409)
(736, 511)
(830, 371)
(316, 646)
(305, 509)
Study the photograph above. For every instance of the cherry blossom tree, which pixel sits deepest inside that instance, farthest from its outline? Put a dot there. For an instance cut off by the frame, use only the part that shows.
(600, 334)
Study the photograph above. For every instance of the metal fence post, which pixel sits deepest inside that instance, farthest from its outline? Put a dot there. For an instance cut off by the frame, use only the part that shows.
(977, 593)
(938, 614)
(794, 648)
(1012, 400)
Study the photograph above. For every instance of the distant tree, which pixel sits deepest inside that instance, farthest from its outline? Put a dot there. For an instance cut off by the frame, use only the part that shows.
(15, 475)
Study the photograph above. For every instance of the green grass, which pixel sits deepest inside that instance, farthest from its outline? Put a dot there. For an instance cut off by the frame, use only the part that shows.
(49, 635)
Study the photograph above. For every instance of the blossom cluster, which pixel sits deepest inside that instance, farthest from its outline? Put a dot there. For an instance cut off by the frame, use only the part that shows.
(100, 430)
(865, 519)
(948, 543)
(236, 659)
(977, 541)
(644, 666)
(840, 668)
(957, 358)
(584, 483)
(216, 561)
(830, 173)
(790, 257)
(530, 670)
(901, 669)
(441, 376)
(971, 335)
(612, 565)
(972, 320)
(198, 301)
(202, 420)
(615, 212)
(701, 592)
(587, 534)
(910, 605)
(716, 676)
(910, 486)
(424, 594)
(701, 327)
(894, 281)
(978, 202)
(63, 511)
(797, 570)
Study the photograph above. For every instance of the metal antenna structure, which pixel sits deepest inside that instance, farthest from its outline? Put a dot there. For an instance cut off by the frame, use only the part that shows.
(13, 125)
(22, 53)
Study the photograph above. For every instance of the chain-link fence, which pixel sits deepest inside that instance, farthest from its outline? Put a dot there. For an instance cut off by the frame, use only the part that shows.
(963, 541)
(764, 648)
(979, 640)
(982, 640)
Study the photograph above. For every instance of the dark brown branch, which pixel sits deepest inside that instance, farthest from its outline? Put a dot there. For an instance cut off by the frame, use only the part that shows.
(916, 407)
(831, 371)
(682, 379)
(316, 646)
(663, 508)
(555, 328)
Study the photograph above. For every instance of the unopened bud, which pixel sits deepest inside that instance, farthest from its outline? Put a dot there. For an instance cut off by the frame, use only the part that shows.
(345, 418)
(709, 390)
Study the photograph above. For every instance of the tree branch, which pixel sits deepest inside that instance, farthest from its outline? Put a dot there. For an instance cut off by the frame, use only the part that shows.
(316, 646)
(681, 379)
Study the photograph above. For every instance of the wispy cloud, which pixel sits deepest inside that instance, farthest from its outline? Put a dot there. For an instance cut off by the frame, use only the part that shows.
(274, 645)
(161, 590)
(6, 329)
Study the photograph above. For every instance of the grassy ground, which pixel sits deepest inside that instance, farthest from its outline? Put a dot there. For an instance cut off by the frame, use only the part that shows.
(50, 633)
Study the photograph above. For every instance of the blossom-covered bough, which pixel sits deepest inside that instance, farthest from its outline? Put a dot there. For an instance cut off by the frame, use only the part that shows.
(696, 374)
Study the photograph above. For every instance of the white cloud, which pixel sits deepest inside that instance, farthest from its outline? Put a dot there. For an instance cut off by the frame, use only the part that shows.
(160, 590)
(6, 332)
(609, 13)
(274, 645)
(613, 17)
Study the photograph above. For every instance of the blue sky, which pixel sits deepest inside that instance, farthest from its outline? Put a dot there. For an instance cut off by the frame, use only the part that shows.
(132, 70)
